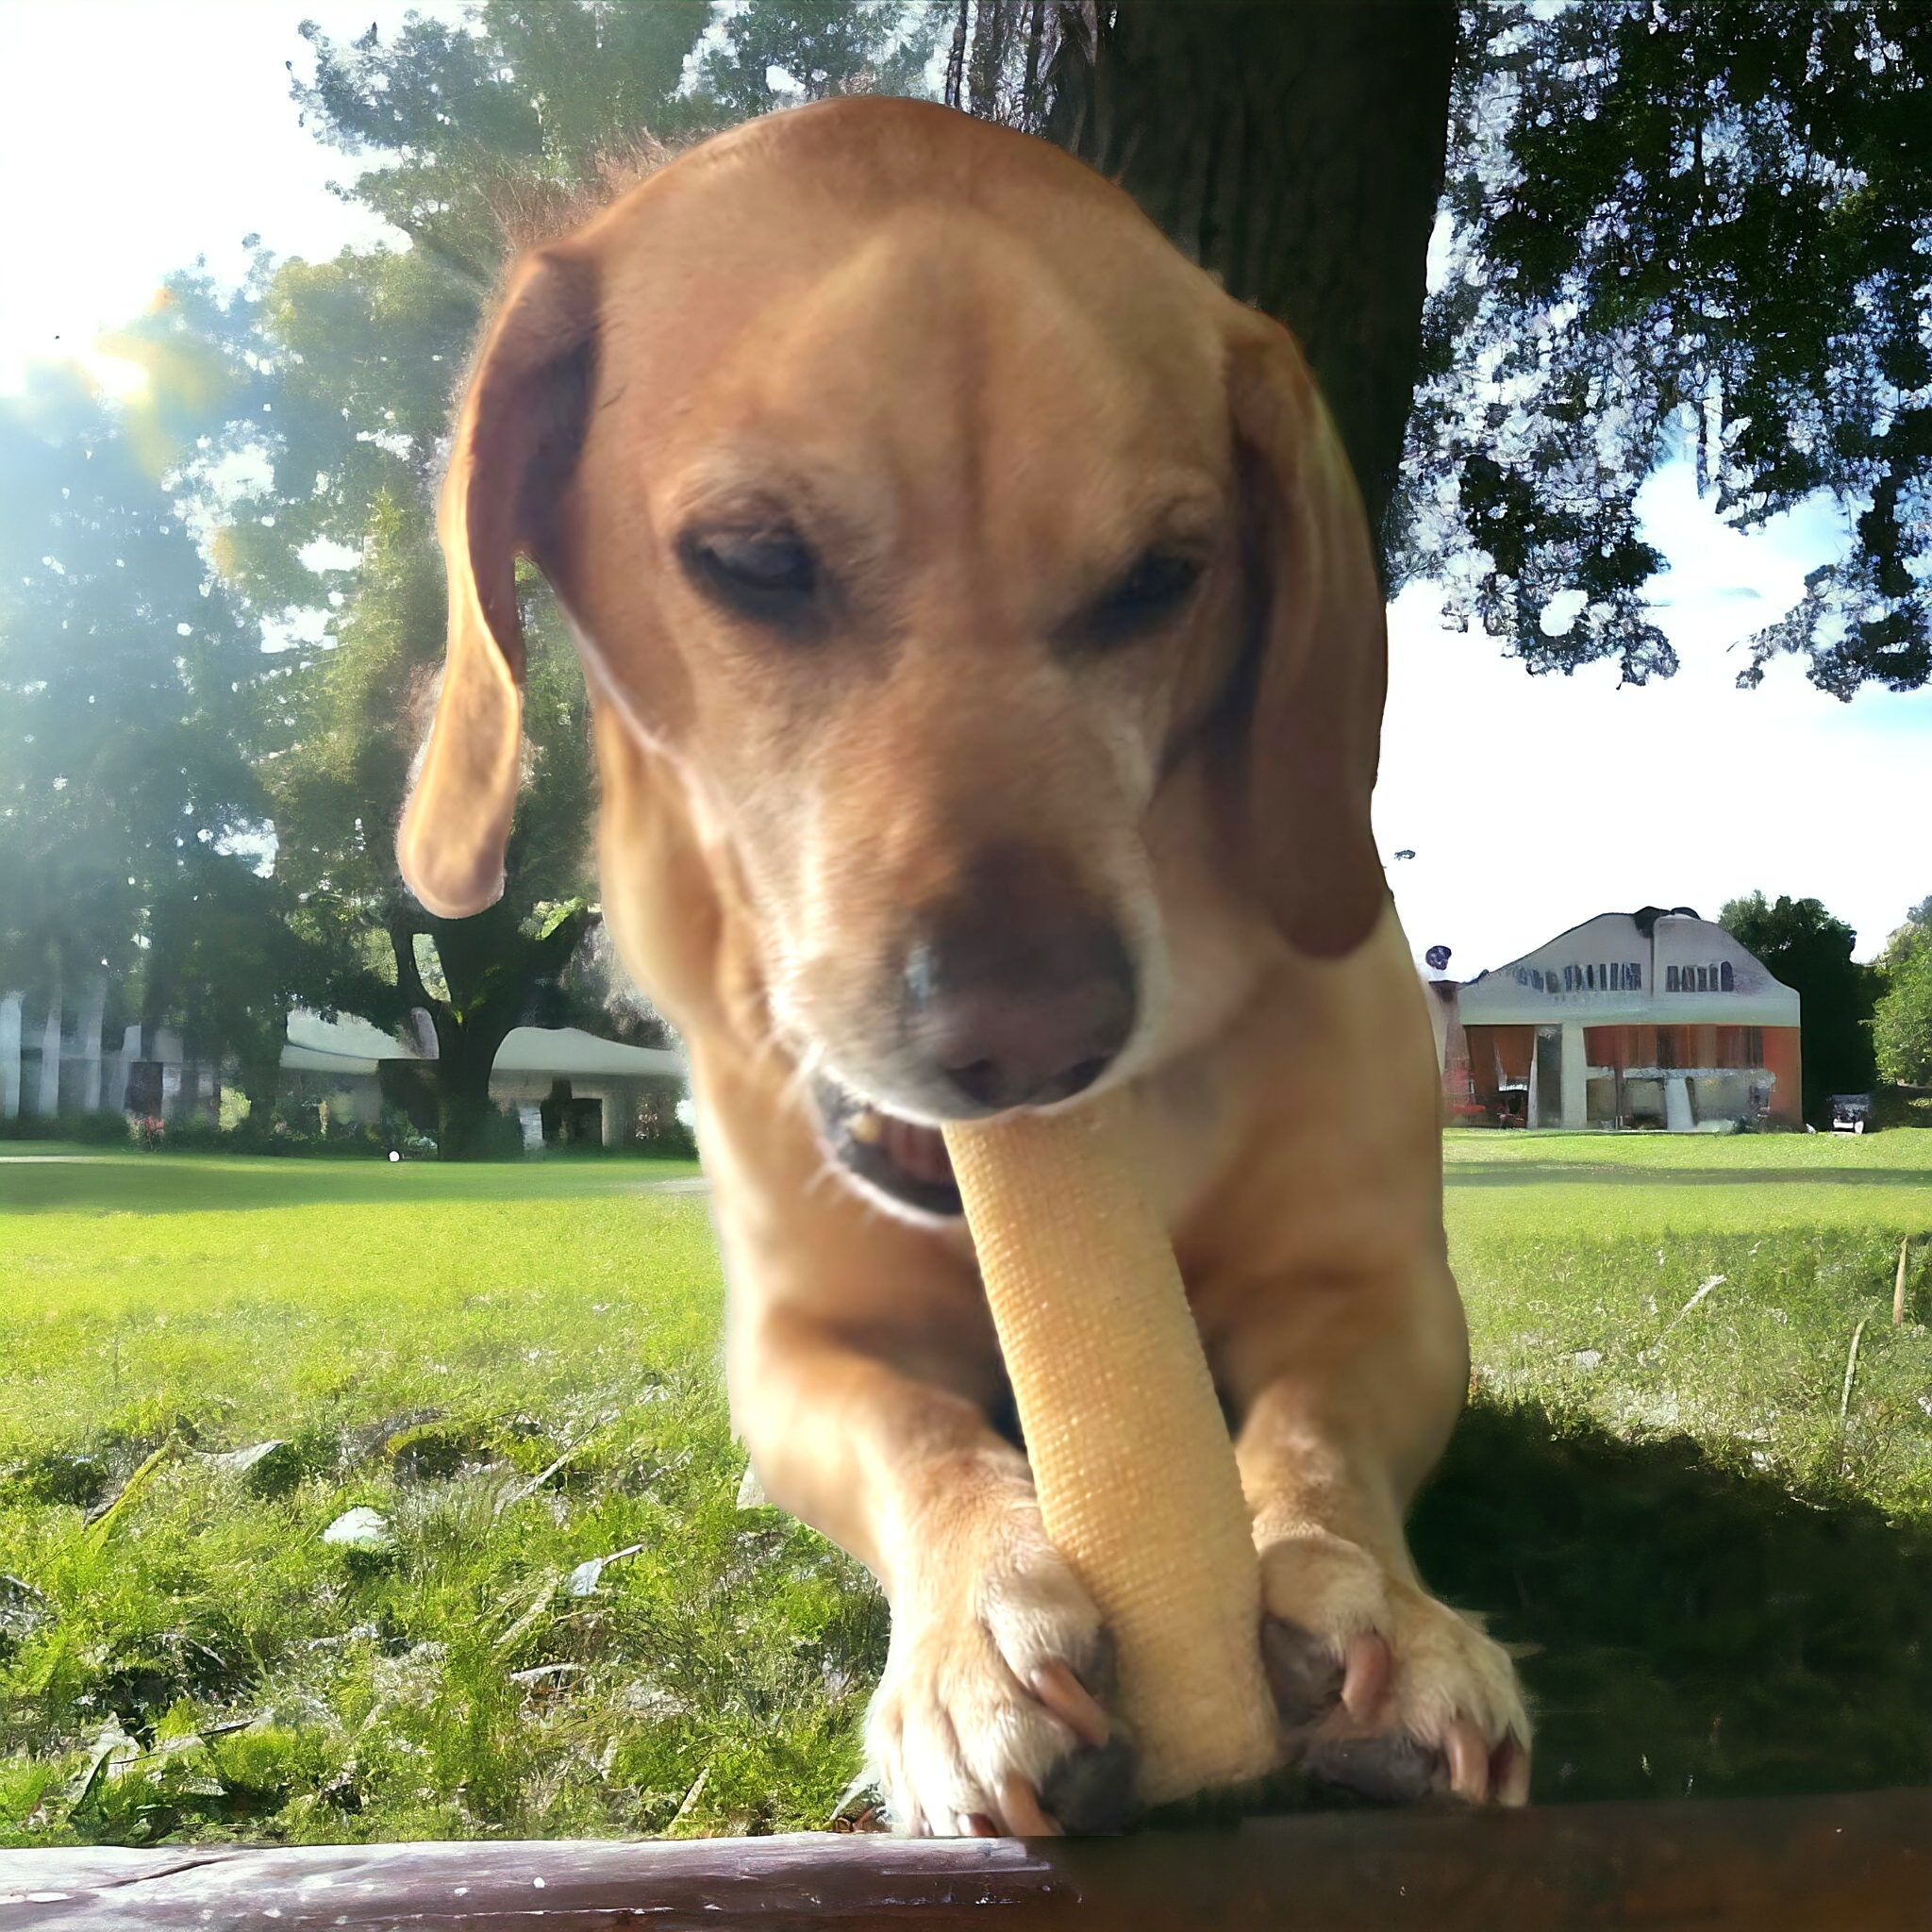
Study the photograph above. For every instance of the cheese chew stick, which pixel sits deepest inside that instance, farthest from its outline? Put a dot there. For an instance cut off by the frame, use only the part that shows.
(1136, 1477)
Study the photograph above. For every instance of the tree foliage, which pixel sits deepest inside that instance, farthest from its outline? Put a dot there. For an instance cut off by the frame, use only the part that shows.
(1804, 946)
(1901, 1021)
(127, 673)
(1702, 220)
(460, 124)
(356, 717)
(474, 137)
(820, 48)
(476, 140)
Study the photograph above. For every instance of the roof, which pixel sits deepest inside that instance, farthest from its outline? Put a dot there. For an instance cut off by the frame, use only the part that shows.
(568, 1051)
(1667, 968)
(348, 1045)
(345, 1045)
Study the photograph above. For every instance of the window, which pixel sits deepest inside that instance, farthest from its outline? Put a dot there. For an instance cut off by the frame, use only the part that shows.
(1720, 978)
(1595, 975)
(1754, 1046)
(1667, 1044)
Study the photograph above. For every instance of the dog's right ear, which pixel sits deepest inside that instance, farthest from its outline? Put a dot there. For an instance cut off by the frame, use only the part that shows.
(516, 441)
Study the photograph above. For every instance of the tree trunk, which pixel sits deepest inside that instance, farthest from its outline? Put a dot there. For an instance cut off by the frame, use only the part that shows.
(261, 1080)
(1295, 148)
(493, 973)
(466, 1118)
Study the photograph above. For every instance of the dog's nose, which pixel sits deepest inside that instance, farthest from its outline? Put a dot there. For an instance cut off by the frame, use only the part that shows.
(1019, 993)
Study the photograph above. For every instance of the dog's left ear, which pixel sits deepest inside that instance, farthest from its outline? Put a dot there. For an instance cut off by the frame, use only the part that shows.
(1317, 666)
(516, 442)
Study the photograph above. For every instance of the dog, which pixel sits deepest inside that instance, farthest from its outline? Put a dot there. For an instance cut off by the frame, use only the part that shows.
(987, 662)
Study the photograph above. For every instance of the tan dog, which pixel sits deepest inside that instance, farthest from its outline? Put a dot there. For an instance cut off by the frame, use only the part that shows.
(987, 666)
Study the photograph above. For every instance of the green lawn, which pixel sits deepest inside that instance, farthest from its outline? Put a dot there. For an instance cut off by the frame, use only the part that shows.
(428, 1342)
(1727, 1591)
(1714, 1587)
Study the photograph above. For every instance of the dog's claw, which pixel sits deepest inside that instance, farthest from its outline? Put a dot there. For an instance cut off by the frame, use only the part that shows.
(1510, 1773)
(1366, 1668)
(1469, 1762)
(1387, 1691)
(1020, 1811)
(1070, 1700)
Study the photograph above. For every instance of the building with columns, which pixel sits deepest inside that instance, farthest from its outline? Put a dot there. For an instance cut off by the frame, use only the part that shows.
(1646, 1019)
(562, 1083)
(55, 1059)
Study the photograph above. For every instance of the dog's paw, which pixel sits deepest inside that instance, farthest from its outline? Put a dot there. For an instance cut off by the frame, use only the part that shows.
(1385, 1690)
(990, 1718)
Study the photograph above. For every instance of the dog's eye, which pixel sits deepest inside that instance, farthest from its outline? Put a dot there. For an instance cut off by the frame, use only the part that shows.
(1155, 587)
(768, 574)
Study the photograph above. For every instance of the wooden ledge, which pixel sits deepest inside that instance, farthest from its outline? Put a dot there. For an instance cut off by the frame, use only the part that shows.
(1862, 1862)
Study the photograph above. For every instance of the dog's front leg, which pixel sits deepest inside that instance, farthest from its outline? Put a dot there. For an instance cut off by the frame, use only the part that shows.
(1347, 1393)
(984, 1720)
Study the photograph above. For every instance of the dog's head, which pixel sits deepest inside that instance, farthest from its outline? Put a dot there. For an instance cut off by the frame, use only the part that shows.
(993, 585)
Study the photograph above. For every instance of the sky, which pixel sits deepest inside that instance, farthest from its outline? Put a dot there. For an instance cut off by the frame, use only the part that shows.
(1530, 803)
(92, 91)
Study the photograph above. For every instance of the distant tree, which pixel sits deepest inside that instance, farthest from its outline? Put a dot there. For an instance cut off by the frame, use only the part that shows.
(355, 720)
(230, 955)
(126, 675)
(1809, 951)
(819, 48)
(1901, 1021)
(459, 120)
(473, 133)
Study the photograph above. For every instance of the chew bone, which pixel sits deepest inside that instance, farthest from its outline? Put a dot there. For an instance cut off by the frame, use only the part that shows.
(1136, 1478)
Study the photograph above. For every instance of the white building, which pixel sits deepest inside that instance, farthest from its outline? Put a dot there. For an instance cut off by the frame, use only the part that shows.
(1632, 1019)
(55, 1060)
(561, 1081)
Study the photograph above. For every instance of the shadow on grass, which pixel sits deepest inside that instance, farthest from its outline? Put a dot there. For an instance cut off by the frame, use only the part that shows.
(1698, 1629)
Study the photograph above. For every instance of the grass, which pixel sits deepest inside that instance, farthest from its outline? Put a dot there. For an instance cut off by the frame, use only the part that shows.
(516, 1367)
(1714, 1587)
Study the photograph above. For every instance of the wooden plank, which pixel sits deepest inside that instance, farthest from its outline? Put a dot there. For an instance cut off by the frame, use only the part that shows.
(1862, 1862)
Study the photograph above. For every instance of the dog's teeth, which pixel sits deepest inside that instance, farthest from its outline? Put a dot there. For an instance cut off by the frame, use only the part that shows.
(866, 1128)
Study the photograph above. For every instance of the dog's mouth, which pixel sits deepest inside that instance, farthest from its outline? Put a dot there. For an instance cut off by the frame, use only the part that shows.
(899, 1159)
